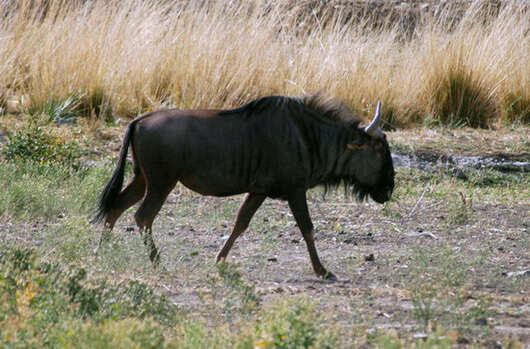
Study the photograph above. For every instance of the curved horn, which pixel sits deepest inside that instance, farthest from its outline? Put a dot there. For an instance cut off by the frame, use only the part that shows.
(373, 128)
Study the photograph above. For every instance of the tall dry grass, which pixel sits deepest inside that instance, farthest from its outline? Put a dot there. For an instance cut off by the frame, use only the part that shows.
(125, 57)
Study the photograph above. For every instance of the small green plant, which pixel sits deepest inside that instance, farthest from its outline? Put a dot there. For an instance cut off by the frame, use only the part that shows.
(34, 144)
(460, 209)
(293, 325)
(516, 108)
(60, 110)
(239, 298)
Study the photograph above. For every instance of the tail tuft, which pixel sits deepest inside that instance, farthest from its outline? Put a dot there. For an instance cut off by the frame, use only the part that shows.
(112, 190)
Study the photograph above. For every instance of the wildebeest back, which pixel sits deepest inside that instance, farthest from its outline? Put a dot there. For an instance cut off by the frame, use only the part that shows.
(227, 153)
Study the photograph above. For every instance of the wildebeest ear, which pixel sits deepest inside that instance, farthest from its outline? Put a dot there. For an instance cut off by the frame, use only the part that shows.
(352, 146)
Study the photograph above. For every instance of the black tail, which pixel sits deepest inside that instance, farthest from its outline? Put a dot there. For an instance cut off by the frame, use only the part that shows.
(113, 188)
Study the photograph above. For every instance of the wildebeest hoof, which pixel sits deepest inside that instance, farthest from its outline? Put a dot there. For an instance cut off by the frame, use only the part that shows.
(155, 258)
(220, 259)
(329, 276)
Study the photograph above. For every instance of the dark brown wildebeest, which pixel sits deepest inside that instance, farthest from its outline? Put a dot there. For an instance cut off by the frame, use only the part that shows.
(275, 147)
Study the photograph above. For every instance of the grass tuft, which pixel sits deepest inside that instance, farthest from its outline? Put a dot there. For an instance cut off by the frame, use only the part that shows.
(460, 99)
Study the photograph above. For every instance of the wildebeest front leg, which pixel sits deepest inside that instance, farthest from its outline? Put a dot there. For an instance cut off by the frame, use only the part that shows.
(247, 210)
(298, 204)
(104, 237)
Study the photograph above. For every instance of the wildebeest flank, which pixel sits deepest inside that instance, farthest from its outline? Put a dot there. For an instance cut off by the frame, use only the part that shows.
(275, 147)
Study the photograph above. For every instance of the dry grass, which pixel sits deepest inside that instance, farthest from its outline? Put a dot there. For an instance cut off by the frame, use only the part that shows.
(125, 57)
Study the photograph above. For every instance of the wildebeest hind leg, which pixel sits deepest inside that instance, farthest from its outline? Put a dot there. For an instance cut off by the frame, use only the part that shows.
(250, 206)
(154, 199)
(128, 197)
(298, 204)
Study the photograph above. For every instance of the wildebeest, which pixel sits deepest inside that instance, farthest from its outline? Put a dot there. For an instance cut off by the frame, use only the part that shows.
(275, 147)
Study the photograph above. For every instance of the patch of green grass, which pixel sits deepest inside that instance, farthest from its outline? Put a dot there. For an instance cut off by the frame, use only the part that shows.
(126, 333)
(50, 305)
(32, 189)
(493, 178)
(385, 340)
(440, 290)
(71, 240)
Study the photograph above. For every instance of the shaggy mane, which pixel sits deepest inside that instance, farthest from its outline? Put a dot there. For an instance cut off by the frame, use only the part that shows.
(329, 109)
(317, 106)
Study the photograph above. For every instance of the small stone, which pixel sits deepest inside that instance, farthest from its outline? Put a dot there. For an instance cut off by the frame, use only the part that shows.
(493, 344)
(460, 175)
(463, 340)
(420, 335)
(369, 258)
(517, 273)
(481, 321)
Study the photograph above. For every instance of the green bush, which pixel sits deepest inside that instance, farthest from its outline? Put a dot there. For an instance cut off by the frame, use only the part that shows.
(293, 325)
(40, 301)
(230, 294)
(33, 144)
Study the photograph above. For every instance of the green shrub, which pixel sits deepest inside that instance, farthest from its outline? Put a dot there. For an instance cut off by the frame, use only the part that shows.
(33, 144)
(293, 325)
(41, 303)
(230, 293)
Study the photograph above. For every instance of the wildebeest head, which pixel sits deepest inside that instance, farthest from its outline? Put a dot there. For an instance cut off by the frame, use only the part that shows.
(370, 165)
